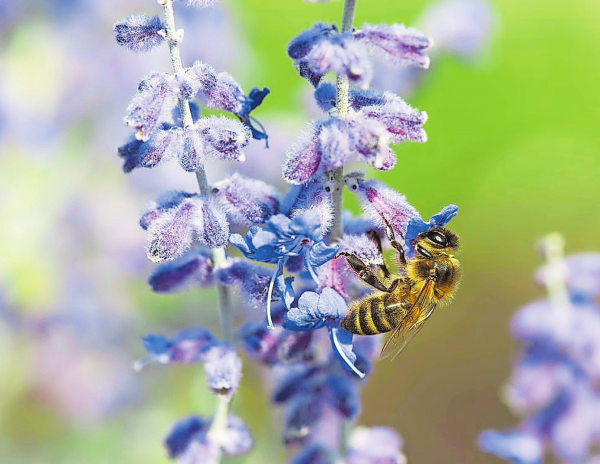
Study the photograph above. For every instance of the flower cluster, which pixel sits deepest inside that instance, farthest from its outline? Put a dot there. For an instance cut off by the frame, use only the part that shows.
(555, 381)
(293, 269)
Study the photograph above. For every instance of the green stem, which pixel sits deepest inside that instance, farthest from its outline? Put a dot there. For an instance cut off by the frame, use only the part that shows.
(218, 427)
(552, 247)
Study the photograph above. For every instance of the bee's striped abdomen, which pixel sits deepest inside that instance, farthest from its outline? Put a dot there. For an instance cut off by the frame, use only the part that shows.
(368, 316)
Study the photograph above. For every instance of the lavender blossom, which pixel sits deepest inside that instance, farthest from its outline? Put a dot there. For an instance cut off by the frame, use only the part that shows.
(187, 346)
(375, 445)
(396, 43)
(195, 267)
(246, 201)
(283, 238)
(223, 370)
(382, 204)
(322, 49)
(190, 440)
(250, 280)
(176, 219)
(139, 33)
(145, 108)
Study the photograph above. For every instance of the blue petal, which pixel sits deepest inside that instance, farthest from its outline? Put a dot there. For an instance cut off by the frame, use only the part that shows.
(444, 216)
(320, 253)
(286, 291)
(156, 344)
(183, 432)
(341, 341)
(518, 447)
(279, 224)
(331, 305)
(264, 238)
(309, 225)
(305, 316)
(238, 241)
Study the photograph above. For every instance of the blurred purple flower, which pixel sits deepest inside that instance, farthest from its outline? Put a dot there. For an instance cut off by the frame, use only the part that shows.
(518, 447)
(187, 346)
(223, 369)
(375, 445)
(250, 280)
(462, 27)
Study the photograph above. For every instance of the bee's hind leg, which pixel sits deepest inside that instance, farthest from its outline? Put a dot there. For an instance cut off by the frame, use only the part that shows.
(363, 271)
(389, 232)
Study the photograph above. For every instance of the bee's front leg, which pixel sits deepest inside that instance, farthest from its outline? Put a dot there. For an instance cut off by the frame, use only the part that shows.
(363, 271)
(389, 232)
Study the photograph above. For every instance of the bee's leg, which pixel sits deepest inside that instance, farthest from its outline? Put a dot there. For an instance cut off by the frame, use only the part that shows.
(396, 283)
(397, 246)
(363, 271)
(375, 238)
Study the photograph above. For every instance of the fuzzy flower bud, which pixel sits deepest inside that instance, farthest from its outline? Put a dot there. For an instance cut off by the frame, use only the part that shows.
(162, 145)
(247, 201)
(139, 33)
(223, 138)
(195, 267)
(147, 104)
(176, 219)
(381, 202)
(249, 279)
(223, 370)
(396, 43)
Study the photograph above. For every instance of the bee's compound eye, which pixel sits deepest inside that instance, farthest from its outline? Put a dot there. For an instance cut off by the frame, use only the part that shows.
(422, 251)
(438, 238)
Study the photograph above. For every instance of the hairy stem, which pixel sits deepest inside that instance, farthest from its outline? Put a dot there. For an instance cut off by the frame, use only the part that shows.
(173, 38)
(341, 98)
(219, 424)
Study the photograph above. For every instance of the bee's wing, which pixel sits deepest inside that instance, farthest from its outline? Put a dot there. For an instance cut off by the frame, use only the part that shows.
(410, 325)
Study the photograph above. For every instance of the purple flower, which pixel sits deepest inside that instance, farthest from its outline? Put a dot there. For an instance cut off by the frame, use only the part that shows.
(396, 43)
(191, 441)
(325, 96)
(187, 346)
(304, 157)
(246, 201)
(129, 151)
(146, 106)
(582, 274)
(518, 447)
(302, 412)
(224, 138)
(322, 49)
(250, 280)
(282, 238)
(223, 369)
(383, 204)
(315, 453)
(221, 91)
(315, 196)
(182, 433)
(402, 122)
(375, 445)
(177, 218)
(139, 33)
(195, 267)
(323, 310)
(161, 146)
(416, 226)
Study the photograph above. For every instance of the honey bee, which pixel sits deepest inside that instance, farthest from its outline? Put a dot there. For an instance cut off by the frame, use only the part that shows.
(429, 279)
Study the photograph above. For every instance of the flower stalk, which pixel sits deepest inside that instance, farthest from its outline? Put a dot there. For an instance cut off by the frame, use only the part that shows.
(341, 98)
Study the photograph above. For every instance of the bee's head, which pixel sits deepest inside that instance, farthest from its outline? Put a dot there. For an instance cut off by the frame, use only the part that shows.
(435, 241)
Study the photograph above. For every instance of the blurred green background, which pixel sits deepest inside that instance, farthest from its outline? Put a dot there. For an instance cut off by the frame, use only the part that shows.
(514, 140)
